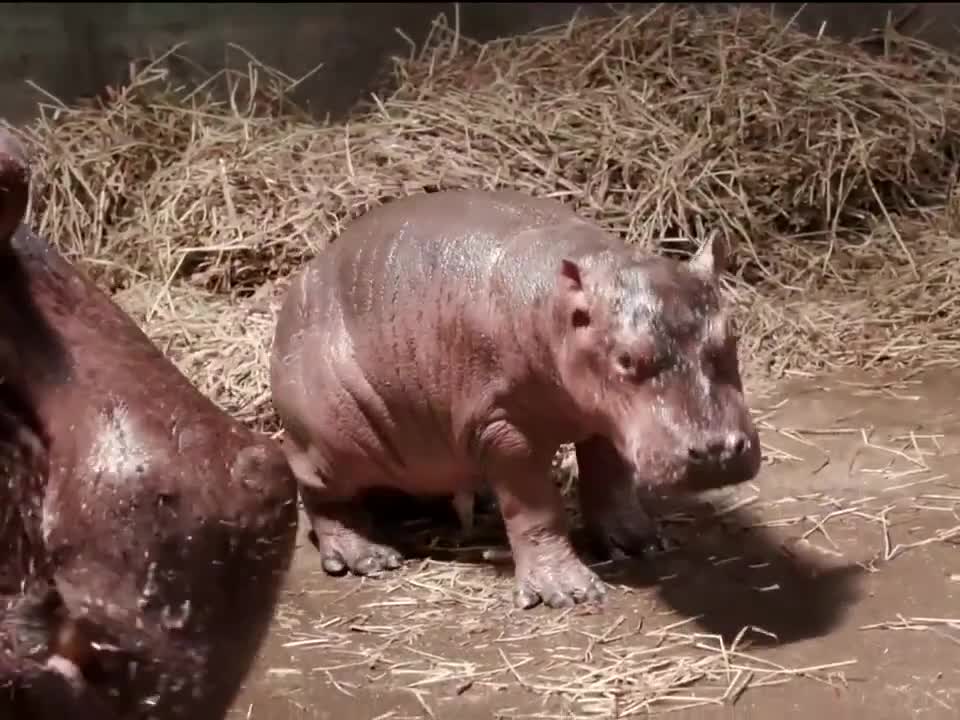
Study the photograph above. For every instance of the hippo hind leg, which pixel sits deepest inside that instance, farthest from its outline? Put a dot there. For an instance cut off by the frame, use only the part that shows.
(342, 533)
(615, 511)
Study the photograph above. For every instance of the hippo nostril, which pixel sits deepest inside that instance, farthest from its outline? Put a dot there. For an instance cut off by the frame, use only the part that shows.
(737, 443)
(719, 449)
(708, 452)
(716, 449)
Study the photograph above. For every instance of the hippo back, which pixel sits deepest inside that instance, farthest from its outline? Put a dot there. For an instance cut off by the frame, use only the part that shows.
(454, 247)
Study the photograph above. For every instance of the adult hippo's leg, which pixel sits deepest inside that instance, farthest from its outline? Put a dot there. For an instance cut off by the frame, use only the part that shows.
(613, 507)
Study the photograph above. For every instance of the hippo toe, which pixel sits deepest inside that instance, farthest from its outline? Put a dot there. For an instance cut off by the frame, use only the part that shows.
(557, 584)
(345, 549)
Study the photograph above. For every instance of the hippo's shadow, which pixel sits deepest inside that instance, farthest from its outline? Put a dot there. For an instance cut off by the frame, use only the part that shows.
(727, 571)
(733, 574)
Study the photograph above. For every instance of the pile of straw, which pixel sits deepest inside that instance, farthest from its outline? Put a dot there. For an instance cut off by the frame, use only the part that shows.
(830, 169)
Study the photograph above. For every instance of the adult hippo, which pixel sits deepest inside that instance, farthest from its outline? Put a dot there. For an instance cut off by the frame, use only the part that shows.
(144, 533)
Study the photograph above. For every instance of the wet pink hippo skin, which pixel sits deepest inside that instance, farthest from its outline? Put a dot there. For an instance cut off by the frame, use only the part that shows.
(454, 339)
(144, 534)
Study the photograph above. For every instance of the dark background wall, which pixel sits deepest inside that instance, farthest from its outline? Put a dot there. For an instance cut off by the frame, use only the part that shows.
(74, 50)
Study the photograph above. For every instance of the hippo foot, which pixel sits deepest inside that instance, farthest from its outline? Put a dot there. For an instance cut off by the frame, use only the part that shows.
(557, 584)
(625, 537)
(345, 550)
(614, 507)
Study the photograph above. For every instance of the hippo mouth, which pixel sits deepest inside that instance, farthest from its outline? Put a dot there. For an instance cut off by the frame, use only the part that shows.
(702, 477)
(682, 474)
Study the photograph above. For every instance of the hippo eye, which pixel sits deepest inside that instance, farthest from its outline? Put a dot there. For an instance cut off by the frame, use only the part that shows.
(637, 364)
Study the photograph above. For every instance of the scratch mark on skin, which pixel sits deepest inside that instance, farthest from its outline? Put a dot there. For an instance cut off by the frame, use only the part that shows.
(118, 450)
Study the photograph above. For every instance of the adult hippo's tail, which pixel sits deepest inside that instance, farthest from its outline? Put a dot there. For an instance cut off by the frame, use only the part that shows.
(14, 185)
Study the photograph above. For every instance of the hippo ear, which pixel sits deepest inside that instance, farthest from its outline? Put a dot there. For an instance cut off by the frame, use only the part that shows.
(711, 259)
(570, 270)
(14, 185)
(571, 275)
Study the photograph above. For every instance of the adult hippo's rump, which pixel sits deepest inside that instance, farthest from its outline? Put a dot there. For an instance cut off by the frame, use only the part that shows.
(458, 338)
(144, 533)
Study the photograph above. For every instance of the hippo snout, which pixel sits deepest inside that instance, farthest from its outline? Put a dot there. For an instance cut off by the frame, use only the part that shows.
(703, 461)
(720, 459)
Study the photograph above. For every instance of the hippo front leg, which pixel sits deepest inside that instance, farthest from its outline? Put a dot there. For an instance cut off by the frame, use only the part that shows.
(342, 532)
(546, 567)
(611, 503)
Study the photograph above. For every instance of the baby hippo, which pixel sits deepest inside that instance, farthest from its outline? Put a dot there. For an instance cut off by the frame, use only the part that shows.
(457, 339)
(144, 534)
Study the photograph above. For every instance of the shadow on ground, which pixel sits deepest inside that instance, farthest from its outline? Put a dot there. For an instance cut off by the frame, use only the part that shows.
(725, 572)
(735, 577)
